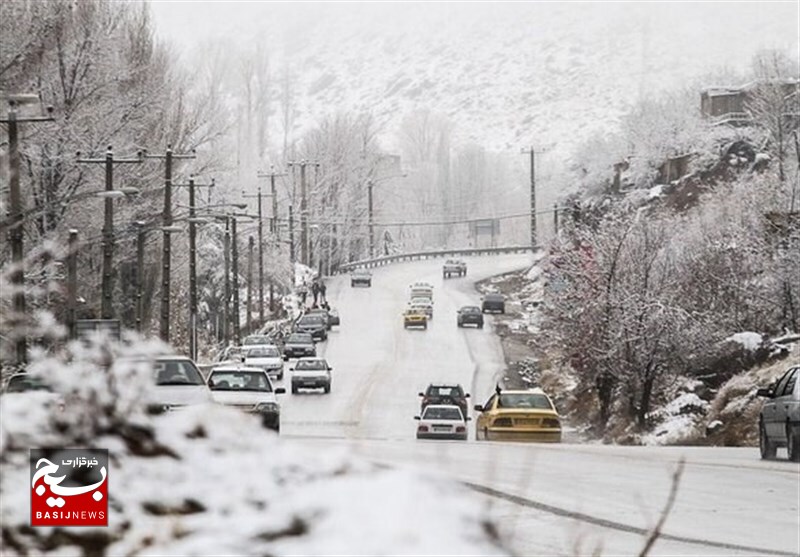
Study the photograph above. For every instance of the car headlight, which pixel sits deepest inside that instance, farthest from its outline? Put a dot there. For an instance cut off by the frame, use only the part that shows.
(270, 407)
(551, 422)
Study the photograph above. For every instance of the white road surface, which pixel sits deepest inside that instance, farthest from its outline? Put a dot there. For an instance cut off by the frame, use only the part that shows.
(568, 499)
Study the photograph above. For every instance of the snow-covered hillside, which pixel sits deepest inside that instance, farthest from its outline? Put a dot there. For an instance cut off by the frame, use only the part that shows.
(507, 75)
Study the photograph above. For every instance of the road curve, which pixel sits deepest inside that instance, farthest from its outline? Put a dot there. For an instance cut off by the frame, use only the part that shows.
(547, 499)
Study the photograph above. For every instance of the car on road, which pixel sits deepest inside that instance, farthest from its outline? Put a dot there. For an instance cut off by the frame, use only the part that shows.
(494, 303)
(454, 267)
(26, 389)
(445, 393)
(421, 290)
(361, 277)
(311, 373)
(257, 340)
(248, 389)
(470, 315)
(413, 317)
(511, 415)
(331, 316)
(178, 383)
(266, 357)
(314, 324)
(422, 304)
(779, 422)
(299, 345)
(442, 421)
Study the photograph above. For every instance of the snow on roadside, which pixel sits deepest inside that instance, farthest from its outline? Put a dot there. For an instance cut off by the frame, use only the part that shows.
(748, 340)
(210, 480)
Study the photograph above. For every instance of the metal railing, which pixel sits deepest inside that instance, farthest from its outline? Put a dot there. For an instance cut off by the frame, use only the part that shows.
(419, 255)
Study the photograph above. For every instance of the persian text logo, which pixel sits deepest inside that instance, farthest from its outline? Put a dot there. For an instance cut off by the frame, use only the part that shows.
(69, 487)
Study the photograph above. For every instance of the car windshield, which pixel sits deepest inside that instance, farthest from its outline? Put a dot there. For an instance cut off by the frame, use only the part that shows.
(494, 297)
(443, 390)
(252, 340)
(311, 320)
(311, 365)
(239, 381)
(23, 383)
(300, 339)
(361, 273)
(440, 413)
(470, 309)
(177, 372)
(263, 352)
(524, 400)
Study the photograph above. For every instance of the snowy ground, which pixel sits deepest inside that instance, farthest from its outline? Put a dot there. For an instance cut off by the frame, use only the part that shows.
(548, 499)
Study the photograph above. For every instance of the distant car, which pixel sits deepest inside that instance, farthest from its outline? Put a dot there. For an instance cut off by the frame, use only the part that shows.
(445, 393)
(257, 340)
(311, 373)
(442, 422)
(779, 422)
(493, 303)
(330, 315)
(518, 415)
(423, 304)
(361, 276)
(299, 345)
(470, 315)
(454, 267)
(249, 389)
(266, 357)
(421, 290)
(178, 384)
(314, 324)
(415, 318)
(25, 382)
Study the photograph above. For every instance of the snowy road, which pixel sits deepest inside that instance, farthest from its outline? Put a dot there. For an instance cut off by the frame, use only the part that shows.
(565, 499)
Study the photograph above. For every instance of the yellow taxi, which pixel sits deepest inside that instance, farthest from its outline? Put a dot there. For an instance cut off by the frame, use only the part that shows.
(525, 415)
(414, 317)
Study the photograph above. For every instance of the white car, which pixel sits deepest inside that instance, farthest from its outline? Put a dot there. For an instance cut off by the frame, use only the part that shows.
(178, 383)
(422, 304)
(249, 389)
(268, 358)
(311, 373)
(442, 421)
(422, 292)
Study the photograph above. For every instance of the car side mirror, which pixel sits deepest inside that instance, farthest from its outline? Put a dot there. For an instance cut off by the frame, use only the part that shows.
(242, 359)
(469, 418)
(765, 392)
(466, 395)
(210, 383)
(285, 358)
(421, 394)
(280, 391)
(417, 417)
(330, 368)
(478, 408)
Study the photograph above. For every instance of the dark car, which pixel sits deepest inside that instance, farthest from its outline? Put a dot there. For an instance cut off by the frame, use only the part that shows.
(314, 324)
(494, 303)
(445, 393)
(779, 423)
(331, 315)
(470, 315)
(361, 276)
(299, 345)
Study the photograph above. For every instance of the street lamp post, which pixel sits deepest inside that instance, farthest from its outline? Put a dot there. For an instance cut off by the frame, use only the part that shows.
(15, 210)
(168, 157)
(107, 310)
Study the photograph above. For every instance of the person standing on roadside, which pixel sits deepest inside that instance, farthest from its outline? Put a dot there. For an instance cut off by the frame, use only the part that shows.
(323, 292)
(315, 291)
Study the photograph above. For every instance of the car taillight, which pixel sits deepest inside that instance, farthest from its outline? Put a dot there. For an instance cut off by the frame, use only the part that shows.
(551, 422)
(422, 428)
(460, 429)
(502, 422)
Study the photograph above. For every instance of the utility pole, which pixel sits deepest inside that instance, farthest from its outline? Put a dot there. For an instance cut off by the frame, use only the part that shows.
(291, 235)
(72, 281)
(140, 237)
(303, 208)
(192, 186)
(168, 157)
(273, 228)
(532, 152)
(235, 270)
(107, 309)
(226, 311)
(250, 245)
(555, 219)
(370, 185)
(15, 234)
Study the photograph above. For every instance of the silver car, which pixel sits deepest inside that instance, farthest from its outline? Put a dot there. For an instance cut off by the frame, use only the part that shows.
(779, 424)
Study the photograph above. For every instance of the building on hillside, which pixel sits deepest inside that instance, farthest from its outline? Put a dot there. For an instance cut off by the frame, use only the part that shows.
(729, 105)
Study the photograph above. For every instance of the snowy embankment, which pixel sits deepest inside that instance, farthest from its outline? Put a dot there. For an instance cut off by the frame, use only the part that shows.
(210, 480)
